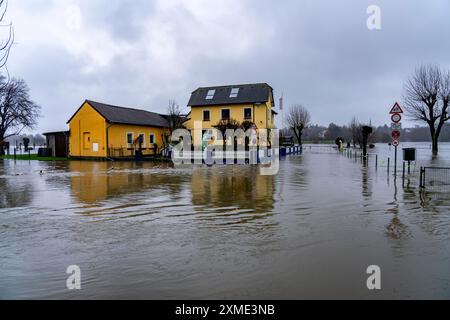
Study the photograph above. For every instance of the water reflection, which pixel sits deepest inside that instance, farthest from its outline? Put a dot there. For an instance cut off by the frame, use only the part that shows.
(366, 181)
(14, 193)
(153, 231)
(239, 187)
(16, 186)
(92, 182)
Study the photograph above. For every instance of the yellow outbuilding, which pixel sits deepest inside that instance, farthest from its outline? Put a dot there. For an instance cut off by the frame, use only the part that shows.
(99, 130)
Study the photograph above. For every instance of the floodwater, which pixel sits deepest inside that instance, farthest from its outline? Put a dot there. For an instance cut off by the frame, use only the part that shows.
(150, 231)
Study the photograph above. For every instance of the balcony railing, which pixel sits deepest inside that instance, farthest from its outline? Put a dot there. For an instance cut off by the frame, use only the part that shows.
(122, 152)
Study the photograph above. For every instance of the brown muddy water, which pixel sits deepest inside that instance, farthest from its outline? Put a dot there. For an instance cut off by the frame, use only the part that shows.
(149, 231)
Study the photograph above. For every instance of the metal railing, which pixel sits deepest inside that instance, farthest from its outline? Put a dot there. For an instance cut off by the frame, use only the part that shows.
(435, 177)
(130, 152)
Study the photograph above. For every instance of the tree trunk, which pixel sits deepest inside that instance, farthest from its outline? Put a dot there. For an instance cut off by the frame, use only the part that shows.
(2, 149)
(434, 139)
(298, 135)
(435, 145)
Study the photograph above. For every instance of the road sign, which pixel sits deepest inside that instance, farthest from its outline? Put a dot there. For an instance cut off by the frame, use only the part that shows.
(396, 126)
(396, 117)
(396, 109)
(395, 134)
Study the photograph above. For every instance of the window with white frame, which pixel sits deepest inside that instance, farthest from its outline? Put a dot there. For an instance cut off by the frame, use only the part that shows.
(247, 113)
(210, 94)
(225, 114)
(206, 115)
(234, 93)
(130, 138)
(152, 138)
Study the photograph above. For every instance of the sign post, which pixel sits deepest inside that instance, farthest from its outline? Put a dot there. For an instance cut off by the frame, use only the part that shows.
(396, 117)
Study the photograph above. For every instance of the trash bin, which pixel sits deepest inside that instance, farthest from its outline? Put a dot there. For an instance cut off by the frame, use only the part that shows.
(45, 152)
(409, 154)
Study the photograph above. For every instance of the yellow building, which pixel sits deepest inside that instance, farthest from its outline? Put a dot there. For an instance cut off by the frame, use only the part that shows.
(249, 103)
(99, 130)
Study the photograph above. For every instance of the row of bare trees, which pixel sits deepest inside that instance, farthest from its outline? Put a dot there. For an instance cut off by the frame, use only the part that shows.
(298, 119)
(426, 98)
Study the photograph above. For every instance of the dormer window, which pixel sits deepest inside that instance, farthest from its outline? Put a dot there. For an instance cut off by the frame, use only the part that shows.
(210, 94)
(234, 93)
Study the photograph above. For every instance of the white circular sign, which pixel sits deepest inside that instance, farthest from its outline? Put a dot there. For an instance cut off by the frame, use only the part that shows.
(396, 118)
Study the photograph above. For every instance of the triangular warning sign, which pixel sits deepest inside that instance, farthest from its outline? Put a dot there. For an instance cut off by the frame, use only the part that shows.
(396, 109)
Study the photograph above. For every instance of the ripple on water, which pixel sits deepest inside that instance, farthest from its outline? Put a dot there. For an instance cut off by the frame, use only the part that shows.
(144, 230)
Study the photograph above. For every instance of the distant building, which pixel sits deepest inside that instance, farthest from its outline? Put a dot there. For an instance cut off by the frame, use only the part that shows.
(251, 103)
(58, 143)
(99, 130)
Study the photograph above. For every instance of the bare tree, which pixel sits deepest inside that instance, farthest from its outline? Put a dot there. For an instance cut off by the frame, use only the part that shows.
(298, 119)
(17, 110)
(5, 44)
(426, 98)
(356, 132)
(175, 116)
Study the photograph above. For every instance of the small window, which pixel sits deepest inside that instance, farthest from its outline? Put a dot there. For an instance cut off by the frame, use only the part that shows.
(210, 94)
(234, 93)
(130, 138)
(225, 114)
(206, 115)
(247, 113)
(152, 138)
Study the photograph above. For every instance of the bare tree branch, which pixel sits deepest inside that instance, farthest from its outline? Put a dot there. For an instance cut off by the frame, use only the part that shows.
(17, 110)
(5, 46)
(426, 98)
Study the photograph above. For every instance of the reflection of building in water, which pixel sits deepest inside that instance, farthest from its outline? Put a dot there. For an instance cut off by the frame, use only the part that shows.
(97, 181)
(248, 189)
(16, 192)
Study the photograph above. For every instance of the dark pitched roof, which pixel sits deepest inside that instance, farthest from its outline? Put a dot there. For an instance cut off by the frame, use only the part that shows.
(55, 133)
(248, 93)
(116, 114)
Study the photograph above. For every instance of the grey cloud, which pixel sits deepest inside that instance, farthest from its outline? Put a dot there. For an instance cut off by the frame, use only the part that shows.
(318, 53)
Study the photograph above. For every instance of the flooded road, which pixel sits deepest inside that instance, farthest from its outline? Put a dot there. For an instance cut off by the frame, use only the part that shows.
(150, 231)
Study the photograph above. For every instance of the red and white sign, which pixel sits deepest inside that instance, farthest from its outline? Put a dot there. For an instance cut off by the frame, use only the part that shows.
(396, 109)
(396, 118)
(395, 134)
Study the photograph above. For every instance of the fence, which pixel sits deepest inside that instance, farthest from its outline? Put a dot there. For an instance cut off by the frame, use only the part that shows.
(130, 152)
(435, 177)
(325, 149)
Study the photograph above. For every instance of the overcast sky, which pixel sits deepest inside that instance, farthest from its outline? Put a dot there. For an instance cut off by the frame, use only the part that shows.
(142, 53)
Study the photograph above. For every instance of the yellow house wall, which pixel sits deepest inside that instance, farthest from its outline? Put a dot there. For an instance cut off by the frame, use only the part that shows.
(118, 136)
(262, 115)
(87, 123)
